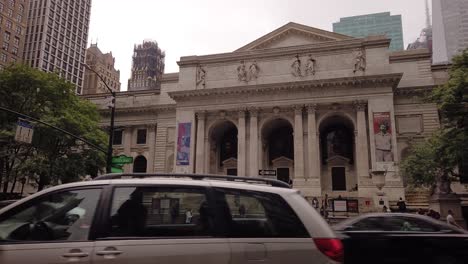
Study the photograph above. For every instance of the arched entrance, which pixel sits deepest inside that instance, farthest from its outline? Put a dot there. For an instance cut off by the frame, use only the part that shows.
(223, 148)
(278, 148)
(337, 154)
(139, 165)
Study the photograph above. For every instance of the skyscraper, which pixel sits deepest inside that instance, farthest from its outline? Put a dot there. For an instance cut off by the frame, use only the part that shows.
(373, 24)
(56, 37)
(104, 64)
(424, 41)
(450, 28)
(13, 18)
(147, 67)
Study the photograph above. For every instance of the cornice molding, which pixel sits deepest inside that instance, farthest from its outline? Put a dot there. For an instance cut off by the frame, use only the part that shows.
(414, 90)
(409, 55)
(315, 48)
(142, 109)
(373, 80)
(441, 67)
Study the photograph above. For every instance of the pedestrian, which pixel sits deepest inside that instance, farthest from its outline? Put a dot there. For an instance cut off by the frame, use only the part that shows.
(384, 209)
(451, 220)
(188, 216)
(421, 211)
(401, 205)
(242, 210)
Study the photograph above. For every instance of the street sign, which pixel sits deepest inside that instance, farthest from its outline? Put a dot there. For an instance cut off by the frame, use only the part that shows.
(269, 173)
(24, 131)
(122, 159)
(116, 170)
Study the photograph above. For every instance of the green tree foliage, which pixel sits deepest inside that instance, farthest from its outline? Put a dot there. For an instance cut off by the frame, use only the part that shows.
(53, 156)
(443, 157)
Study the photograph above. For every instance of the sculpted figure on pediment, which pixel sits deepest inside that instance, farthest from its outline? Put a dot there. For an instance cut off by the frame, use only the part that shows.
(201, 76)
(253, 70)
(296, 67)
(310, 66)
(242, 72)
(360, 62)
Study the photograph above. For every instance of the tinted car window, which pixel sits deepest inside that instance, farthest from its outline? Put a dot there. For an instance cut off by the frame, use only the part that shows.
(368, 224)
(408, 224)
(256, 214)
(160, 212)
(65, 215)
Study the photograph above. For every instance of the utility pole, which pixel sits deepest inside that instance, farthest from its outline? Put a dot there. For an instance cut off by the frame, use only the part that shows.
(111, 130)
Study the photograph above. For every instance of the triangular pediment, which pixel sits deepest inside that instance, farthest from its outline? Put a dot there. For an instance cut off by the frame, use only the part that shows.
(293, 34)
(231, 162)
(282, 162)
(337, 160)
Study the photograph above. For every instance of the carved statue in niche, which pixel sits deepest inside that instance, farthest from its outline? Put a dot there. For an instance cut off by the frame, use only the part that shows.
(360, 62)
(253, 70)
(310, 66)
(242, 72)
(296, 67)
(201, 76)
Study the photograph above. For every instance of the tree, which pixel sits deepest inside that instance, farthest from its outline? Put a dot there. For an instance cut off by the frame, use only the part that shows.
(53, 156)
(443, 157)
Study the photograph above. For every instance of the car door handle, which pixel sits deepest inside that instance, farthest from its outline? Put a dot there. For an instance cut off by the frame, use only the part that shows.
(109, 251)
(75, 255)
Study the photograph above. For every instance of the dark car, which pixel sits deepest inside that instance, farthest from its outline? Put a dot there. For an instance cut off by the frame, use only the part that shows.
(5, 203)
(402, 238)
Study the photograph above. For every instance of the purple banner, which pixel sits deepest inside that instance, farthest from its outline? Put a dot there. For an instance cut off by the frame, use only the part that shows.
(183, 144)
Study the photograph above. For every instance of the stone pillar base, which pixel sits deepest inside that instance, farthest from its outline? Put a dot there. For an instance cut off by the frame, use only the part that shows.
(308, 187)
(443, 203)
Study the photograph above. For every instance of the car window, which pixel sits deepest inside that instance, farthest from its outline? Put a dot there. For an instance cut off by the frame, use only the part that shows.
(408, 224)
(368, 224)
(160, 212)
(256, 214)
(64, 215)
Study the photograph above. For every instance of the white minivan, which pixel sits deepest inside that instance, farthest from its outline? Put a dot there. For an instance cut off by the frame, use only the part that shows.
(167, 219)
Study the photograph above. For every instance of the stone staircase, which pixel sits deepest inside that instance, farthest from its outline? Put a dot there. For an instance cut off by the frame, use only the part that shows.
(415, 199)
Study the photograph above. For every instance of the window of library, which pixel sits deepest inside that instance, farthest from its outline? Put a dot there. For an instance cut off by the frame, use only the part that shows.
(141, 136)
(117, 137)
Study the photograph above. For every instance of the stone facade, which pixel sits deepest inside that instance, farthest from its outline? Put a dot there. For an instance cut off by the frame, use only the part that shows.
(319, 109)
(104, 64)
(13, 22)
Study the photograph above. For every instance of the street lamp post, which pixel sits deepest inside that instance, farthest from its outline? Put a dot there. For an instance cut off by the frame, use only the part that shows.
(111, 130)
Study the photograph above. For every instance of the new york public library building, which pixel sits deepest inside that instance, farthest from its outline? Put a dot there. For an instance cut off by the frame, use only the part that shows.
(323, 110)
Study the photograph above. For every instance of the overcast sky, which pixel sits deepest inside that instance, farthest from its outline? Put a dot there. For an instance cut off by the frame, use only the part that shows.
(199, 27)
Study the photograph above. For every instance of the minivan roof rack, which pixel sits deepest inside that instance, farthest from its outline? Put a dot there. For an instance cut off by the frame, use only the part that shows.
(272, 182)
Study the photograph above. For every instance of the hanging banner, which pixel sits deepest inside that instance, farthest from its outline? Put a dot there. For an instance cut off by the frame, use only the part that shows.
(383, 137)
(183, 144)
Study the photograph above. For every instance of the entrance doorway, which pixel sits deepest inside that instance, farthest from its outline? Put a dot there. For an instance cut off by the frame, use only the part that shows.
(283, 174)
(338, 179)
(139, 165)
(223, 150)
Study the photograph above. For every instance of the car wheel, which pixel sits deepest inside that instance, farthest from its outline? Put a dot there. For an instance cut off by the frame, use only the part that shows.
(446, 260)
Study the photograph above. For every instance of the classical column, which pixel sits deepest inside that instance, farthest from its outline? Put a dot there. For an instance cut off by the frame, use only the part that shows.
(151, 146)
(312, 143)
(241, 144)
(298, 143)
(127, 142)
(200, 147)
(253, 143)
(362, 154)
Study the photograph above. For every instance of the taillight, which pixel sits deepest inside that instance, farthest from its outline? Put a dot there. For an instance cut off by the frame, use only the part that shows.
(331, 247)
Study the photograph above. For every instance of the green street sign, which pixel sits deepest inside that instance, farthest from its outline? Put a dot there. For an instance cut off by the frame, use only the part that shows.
(116, 170)
(122, 159)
